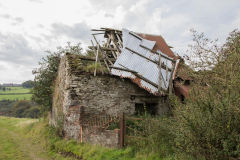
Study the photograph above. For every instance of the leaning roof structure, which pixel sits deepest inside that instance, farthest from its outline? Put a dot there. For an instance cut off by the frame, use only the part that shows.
(145, 59)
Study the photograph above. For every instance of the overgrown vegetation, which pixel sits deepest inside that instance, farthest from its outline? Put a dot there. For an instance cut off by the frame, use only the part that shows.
(46, 75)
(25, 109)
(6, 107)
(41, 132)
(207, 125)
(21, 109)
(150, 136)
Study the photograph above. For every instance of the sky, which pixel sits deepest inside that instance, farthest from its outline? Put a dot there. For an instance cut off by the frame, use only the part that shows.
(28, 28)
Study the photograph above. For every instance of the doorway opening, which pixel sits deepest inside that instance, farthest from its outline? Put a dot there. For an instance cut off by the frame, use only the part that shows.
(145, 108)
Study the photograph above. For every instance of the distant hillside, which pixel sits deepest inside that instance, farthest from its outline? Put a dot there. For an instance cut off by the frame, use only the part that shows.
(15, 93)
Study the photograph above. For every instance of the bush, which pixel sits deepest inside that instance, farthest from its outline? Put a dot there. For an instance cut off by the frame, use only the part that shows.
(149, 135)
(20, 107)
(25, 108)
(33, 112)
(6, 107)
(207, 125)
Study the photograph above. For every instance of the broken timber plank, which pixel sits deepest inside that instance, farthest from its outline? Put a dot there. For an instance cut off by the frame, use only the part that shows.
(109, 45)
(95, 70)
(141, 77)
(103, 48)
(104, 56)
(115, 45)
(171, 80)
(103, 53)
(165, 56)
(128, 70)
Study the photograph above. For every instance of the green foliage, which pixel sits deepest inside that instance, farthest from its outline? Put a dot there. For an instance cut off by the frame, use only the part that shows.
(2, 88)
(6, 107)
(36, 134)
(59, 125)
(90, 152)
(207, 125)
(20, 107)
(46, 75)
(33, 112)
(44, 79)
(99, 68)
(25, 108)
(27, 84)
(150, 135)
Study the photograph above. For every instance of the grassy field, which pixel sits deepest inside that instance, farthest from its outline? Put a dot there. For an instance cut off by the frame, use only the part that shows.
(15, 93)
(15, 90)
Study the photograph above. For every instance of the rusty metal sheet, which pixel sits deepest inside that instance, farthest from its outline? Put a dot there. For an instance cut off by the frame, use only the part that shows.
(142, 61)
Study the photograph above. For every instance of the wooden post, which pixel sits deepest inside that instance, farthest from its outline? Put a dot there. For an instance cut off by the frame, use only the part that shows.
(109, 46)
(104, 56)
(171, 79)
(95, 70)
(81, 134)
(160, 75)
(96, 54)
(166, 71)
(122, 130)
(114, 44)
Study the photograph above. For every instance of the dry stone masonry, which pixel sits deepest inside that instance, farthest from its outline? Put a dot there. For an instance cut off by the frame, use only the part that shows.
(79, 95)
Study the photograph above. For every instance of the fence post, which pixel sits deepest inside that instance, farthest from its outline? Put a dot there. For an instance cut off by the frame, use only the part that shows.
(81, 134)
(122, 129)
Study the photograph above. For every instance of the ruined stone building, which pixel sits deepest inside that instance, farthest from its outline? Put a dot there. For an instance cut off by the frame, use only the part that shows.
(80, 97)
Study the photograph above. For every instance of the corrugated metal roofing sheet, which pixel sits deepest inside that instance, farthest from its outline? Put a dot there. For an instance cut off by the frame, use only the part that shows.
(136, 56)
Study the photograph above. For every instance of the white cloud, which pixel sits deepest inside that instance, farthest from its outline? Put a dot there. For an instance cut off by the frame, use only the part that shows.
(29, 27)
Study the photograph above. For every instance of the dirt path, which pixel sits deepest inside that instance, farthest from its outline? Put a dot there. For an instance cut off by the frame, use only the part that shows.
(14, 145)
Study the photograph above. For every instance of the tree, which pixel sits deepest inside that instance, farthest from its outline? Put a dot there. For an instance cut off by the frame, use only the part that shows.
(28, 84)
(204, 53)
(46, 74)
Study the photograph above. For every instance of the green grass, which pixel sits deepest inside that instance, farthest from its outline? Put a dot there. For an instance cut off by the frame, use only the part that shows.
(16, 97)
(9, 149)
(16, 93)
(16, 90)
(87, 151)
(17, 144)
(34, 139)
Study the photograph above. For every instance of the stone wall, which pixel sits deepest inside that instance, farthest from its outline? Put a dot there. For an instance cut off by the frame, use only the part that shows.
(79, 96)
(107, 138)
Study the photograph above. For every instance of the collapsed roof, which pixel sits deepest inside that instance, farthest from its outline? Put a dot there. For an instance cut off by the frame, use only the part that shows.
(146, 59)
